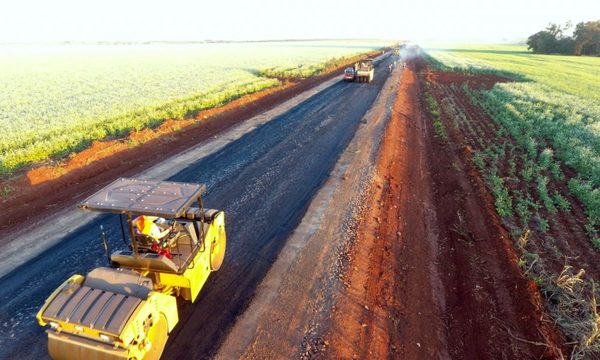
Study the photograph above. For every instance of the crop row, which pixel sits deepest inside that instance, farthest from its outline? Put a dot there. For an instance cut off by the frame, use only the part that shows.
(551, 135)
(537, 147)
(551, 128)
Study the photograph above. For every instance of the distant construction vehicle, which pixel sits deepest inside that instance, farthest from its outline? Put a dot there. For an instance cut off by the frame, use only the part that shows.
(365, 71)
(349, 74)
(128, 310)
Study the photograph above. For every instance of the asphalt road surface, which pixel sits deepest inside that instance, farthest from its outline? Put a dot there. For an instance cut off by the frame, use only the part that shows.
(264, 182)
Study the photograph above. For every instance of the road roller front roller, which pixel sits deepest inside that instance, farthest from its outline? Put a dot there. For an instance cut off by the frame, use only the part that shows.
(127, 310)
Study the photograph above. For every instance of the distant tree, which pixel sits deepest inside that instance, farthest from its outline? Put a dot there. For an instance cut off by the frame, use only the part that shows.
(542, 42)
(565, 46)
(587, 38)
(556, 30)
(552, 40)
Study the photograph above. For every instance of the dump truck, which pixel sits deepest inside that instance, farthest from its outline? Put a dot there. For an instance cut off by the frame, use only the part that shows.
(128, 309)
(365, 71)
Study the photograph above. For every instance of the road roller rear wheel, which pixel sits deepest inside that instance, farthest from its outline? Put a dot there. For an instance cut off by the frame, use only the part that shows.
(157, 335)
(217, 249)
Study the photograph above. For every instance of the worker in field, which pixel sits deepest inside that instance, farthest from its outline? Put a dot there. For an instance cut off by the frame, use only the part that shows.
(148, 225)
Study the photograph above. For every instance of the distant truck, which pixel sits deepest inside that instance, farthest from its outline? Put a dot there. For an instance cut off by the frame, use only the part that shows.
(349, 74)
(365, 71)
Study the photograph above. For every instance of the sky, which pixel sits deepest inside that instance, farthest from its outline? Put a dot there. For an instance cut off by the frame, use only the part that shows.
(188, 20)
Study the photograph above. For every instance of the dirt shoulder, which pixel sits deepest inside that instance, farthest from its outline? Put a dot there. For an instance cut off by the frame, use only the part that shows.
(434, 273)
(46, 189)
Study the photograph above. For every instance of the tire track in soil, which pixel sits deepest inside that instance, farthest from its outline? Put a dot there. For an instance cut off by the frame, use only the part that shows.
(433, 273)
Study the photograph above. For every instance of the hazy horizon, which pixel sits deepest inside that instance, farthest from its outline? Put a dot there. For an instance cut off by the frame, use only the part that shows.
(512, 21)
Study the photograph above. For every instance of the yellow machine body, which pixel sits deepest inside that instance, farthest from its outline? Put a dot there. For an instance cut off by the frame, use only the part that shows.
(127, 312)
(191, 281)
(69, 339)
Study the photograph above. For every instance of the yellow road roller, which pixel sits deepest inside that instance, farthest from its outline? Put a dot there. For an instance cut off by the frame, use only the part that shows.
(127, 310)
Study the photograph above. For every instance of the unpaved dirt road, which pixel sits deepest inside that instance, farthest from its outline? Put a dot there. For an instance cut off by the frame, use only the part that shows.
(433, 274)
(264, 181)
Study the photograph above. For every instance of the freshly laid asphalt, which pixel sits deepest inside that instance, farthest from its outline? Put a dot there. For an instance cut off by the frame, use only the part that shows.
(264, 182)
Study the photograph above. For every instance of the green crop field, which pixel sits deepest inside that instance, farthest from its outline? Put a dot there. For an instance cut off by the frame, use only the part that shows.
(566, 74)
(538, 155)
(55, 99)
(553, 112)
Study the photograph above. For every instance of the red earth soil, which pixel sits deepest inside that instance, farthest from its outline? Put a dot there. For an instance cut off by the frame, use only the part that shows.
(434, 274)
(43, 190)
(566, 242)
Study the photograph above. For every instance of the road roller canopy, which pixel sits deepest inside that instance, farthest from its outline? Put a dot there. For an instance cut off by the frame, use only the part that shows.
(135, 196)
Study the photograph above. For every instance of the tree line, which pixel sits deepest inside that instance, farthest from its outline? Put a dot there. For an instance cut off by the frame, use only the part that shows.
(584, 41)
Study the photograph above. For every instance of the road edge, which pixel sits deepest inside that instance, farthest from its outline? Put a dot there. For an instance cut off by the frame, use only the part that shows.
(290, 303)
